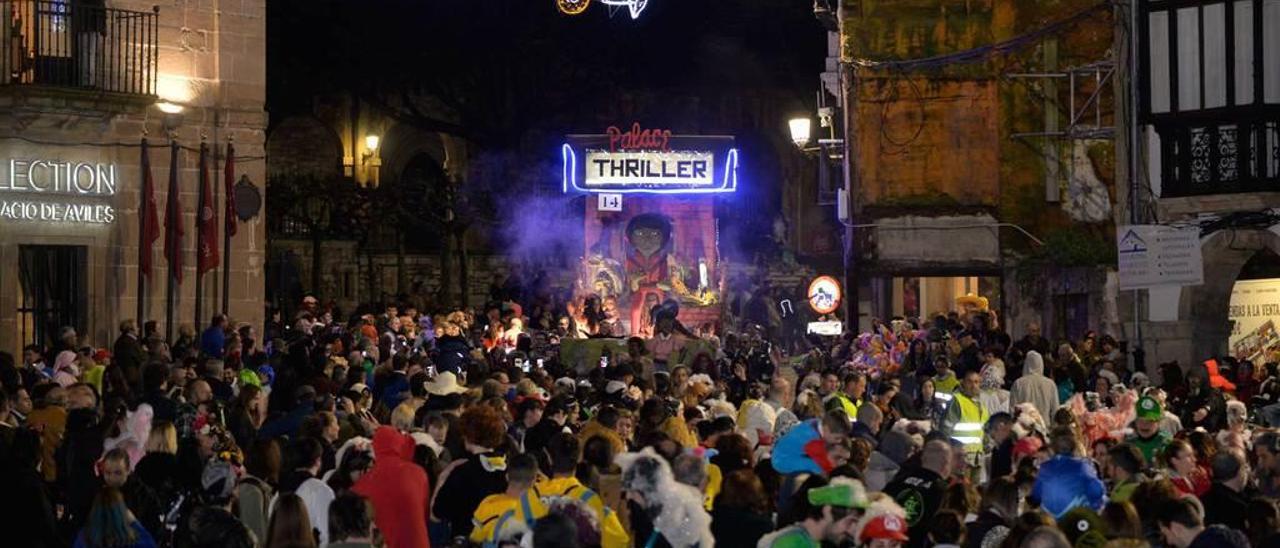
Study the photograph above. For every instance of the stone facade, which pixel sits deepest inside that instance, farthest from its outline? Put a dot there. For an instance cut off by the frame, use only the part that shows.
(942, 186)
(211, 62)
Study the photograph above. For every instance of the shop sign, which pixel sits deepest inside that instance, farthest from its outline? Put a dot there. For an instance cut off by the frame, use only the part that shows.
(648, 160)
(57, 191)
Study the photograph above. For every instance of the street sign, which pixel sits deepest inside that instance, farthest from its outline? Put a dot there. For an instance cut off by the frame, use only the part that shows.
(609, 202)
(824, 294)
(1156, 255)
(828, 329)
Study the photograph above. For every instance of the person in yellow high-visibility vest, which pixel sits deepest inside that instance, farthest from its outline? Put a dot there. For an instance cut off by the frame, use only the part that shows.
(966, 416)
(849, 398)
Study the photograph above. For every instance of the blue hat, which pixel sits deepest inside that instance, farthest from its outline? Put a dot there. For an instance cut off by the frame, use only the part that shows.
(269, 372)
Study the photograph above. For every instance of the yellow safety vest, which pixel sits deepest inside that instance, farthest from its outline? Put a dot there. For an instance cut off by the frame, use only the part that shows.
(845, 403)
(972, 418)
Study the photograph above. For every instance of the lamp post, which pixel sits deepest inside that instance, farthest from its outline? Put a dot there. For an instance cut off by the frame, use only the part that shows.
(800, 128)
(370, 159)
(826, 151)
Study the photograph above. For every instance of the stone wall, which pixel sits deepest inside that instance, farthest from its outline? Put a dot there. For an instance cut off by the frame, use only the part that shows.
(211, 62)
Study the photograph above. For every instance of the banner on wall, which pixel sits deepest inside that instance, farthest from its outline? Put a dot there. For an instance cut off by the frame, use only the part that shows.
(1255, 313)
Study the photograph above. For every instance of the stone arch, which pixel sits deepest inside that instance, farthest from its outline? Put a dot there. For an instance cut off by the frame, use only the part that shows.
(1225, 254)
(403, 144)
(304, 146)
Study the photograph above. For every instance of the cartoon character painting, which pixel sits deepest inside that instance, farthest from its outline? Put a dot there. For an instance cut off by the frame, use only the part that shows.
(648, 271)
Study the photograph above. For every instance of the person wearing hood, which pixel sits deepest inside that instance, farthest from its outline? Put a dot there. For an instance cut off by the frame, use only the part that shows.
(65, 370)
(1204, 406)
(1034, 387)
(397, 488)
(1067, 480)
(894, 449)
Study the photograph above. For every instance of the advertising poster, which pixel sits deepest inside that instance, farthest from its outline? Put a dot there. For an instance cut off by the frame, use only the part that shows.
(1255, 311)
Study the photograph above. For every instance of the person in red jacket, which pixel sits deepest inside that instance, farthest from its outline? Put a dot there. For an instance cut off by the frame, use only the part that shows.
(398, 490)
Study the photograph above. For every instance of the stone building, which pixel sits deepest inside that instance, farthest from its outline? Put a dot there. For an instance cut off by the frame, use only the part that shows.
(1209, 135)
(81, 88)
(966, 173)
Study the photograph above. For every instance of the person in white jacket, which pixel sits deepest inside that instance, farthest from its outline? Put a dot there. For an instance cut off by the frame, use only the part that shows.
(1034, 387)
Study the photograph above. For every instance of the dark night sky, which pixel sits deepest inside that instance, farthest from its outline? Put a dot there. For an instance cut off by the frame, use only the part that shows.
(693, 47)
(522, 75)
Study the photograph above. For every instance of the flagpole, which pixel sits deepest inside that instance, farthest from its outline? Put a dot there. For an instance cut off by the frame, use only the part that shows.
(142, 238)
(204, 157)
(173, 274)
(227, 189)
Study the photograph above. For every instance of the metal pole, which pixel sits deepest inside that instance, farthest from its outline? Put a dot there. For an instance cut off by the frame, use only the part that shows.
(226, 238)
(848, 105)
(143, 248)
(173, 274)
(1135, 213)
(204, 157)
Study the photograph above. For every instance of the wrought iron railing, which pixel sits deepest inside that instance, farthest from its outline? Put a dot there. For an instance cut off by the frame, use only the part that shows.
(63, 43)
(1219, 157)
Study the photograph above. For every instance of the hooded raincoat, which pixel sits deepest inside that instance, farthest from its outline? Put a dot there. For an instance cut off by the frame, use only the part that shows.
(1034, 387)
(397, 488)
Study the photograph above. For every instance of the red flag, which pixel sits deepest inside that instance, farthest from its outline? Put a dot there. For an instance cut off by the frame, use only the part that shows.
(207, 223)
(150, 219)
(229, 192)
(173, 219)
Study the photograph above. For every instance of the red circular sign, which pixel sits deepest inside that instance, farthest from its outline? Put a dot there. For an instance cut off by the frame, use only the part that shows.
(824, 294)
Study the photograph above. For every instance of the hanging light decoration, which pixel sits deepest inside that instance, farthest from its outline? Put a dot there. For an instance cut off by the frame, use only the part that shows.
(576, 7)
(633, 6)
(572, 7)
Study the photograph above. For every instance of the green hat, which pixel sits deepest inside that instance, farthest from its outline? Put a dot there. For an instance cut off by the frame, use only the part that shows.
(843, 492)
(1084, 528)
(249, 377)
(1149, 409)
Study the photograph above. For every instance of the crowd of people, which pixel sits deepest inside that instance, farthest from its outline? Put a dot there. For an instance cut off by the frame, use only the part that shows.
(395, 427)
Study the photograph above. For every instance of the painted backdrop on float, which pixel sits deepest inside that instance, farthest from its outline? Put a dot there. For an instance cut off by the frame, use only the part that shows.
(650, 231)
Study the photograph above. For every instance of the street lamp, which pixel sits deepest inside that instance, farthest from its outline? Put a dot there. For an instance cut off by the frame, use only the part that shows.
(800, 128)
(371, 160)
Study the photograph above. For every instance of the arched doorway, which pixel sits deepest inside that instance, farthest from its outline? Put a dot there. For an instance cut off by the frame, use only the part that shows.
(1227, 255)
(415, 223)
(1255, 308)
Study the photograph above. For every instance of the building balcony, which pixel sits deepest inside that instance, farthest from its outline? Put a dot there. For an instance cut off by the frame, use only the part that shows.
(1219, 155)
(59, 46)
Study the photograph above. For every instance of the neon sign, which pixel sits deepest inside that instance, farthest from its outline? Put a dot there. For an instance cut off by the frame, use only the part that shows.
(638, 139)
(633, 6)
(577, 7)
(649, 161)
